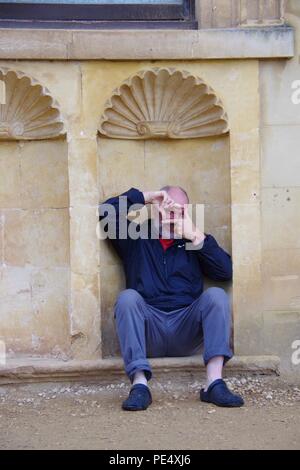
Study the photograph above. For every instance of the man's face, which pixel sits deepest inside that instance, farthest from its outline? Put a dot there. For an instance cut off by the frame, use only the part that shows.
(176, 212)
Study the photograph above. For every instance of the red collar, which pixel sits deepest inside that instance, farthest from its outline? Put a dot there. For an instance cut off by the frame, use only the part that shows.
(165, 243)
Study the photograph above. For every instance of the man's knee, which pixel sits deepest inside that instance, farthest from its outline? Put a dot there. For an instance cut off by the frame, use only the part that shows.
(127, 300)
(216, 296)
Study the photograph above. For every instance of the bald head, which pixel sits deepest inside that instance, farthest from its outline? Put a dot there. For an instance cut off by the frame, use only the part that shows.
(177, 193)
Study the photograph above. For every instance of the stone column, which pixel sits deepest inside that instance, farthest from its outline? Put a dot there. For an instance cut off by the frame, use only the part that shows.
(246, 216)
(84, 246)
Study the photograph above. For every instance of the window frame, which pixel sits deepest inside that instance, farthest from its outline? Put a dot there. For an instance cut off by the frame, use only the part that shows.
(74, 16)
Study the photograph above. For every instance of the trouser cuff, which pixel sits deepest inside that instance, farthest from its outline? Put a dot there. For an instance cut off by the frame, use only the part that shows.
(139, 364)
(227, 354)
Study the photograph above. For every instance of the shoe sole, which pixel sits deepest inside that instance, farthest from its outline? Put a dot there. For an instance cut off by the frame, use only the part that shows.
(128, 408)
(231, 405)
(134, 409)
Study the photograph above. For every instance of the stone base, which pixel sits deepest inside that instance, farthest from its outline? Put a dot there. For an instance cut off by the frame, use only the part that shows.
(45, 370)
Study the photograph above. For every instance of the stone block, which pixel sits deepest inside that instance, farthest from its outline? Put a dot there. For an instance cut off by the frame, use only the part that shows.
(280, 218)
(44, 174)
(10, 178)
(280, 156)
(39, 238)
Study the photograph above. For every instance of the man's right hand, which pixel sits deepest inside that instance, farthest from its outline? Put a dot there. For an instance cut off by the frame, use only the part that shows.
(158, 197)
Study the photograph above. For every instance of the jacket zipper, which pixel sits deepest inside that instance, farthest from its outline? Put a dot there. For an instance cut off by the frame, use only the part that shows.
(165, 260)
(165, 264)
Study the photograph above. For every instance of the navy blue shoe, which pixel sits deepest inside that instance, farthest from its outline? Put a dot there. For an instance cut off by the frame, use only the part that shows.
(219, 394)
(139, 398)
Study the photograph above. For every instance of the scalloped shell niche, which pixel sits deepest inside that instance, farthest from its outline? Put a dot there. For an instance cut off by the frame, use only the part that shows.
(163, 103)
(27, 110)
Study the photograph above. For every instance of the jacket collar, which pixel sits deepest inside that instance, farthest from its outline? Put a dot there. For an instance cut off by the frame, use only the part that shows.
(177, 241)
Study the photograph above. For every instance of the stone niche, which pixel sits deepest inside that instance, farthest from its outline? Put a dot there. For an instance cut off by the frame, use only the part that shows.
(162, 126)
(34, 219)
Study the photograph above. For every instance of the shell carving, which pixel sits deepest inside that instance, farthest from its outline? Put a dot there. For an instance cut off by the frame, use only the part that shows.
(27, 110)
(163, 103)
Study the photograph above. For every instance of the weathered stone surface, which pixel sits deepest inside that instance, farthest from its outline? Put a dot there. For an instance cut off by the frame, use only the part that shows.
(202, 44)
(281, 276)
(245, 169)
(231, 13)
(279, 85)
(34, 310)
(44, 175)
(280, 155)
(84, 244)
(34, 175)
(197, 165)
(280, 208)
(85, 319)
(121, 166)
(107, 254)
(31, 44)
(246, 250)
(239, 43)
(217, 220)
(35, 370)
(10, 178)
(281, 332)
(38, 238)
(1, 238)
(82, 166)
(279, 79)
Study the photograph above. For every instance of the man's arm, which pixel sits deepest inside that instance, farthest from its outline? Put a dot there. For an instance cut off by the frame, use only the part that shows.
(113, 216)
(215, 262)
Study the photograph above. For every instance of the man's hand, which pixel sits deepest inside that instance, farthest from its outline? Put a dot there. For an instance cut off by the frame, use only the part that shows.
(158, 197)
(184, 226)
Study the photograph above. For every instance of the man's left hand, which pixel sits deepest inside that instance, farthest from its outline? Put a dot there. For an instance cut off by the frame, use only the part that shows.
(184, 226)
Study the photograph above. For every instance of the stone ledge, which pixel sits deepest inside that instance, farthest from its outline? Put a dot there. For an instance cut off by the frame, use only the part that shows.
(35, 370)
(233, 43)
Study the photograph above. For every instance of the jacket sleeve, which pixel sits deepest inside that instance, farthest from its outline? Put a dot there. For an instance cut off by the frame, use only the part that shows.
(113, 218)
(215, 262)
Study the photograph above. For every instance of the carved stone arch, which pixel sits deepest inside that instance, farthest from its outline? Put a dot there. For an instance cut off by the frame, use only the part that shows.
(27, 109)
(163, 103)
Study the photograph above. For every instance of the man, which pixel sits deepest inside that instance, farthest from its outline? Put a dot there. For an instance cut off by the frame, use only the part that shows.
(163, 311)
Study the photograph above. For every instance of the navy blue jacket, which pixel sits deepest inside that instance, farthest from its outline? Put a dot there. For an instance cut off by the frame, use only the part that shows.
(166, 279)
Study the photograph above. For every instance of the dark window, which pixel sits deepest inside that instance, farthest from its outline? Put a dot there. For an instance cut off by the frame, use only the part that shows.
(98, 13)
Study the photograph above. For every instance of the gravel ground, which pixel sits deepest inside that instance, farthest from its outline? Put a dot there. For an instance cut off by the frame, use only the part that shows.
(89, 416)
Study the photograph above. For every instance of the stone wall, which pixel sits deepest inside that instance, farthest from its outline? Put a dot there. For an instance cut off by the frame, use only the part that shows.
(280, 180)
(236, 13)
(35, 246)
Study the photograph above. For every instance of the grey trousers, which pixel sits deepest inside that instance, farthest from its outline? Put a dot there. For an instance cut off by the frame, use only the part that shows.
(145, 331)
